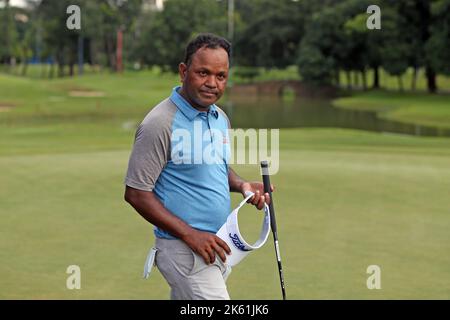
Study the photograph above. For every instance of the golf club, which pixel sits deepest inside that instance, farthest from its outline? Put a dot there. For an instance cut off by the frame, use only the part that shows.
(273, 223)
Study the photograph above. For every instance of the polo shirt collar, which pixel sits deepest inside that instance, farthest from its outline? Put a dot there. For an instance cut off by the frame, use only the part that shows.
(185, 107)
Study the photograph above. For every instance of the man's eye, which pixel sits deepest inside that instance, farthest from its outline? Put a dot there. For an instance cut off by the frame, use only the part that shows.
(221, 77)
(203, 73)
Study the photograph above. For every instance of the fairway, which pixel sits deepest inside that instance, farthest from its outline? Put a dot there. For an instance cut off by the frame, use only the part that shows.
(345, 200)
(411, 107)
(339, 211)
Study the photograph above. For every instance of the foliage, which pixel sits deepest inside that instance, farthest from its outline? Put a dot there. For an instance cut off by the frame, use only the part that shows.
(166, 33)
(269, 34)
(437, 48)
(315, 67)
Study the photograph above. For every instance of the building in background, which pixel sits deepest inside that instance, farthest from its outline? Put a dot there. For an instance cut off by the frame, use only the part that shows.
(153, 5)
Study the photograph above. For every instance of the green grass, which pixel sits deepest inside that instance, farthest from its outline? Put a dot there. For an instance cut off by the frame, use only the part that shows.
(49, 99)
(416, 108)
(345, 199)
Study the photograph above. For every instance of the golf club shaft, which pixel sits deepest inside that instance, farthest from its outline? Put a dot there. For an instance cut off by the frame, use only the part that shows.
(273, 222)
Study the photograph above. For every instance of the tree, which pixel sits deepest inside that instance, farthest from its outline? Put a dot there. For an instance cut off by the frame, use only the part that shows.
(369, 43)
(26, 31)
(437, 46)
(316, 58)
(8, 45)
(396, 49)
(315, 68)
(60, 41)
(415, 29)
(333, 33)
(163, 38)
(386, 47)
(270, 33)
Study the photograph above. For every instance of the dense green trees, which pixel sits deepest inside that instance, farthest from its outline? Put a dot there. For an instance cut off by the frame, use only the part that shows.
(437, 48)
(268, 33)
(324, 38)
(414, 34)
(9, 34)
(162, 35)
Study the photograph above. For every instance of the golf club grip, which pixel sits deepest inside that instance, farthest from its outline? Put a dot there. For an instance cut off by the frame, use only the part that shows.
(266, 182)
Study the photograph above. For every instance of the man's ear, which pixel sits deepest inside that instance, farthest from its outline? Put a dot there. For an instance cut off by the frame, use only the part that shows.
(182, 70)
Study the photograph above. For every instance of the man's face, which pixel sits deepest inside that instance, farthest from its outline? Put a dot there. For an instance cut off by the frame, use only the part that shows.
(205, 79)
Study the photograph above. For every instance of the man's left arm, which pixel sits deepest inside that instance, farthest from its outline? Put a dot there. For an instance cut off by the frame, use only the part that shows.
(237, 184)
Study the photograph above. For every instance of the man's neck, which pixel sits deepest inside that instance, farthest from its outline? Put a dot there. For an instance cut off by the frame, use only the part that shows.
(194, 105)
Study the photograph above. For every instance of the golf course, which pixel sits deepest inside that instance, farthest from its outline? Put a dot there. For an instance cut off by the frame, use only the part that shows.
(345, 199)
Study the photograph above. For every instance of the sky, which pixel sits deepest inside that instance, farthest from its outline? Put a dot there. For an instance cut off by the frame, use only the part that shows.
(17, 3)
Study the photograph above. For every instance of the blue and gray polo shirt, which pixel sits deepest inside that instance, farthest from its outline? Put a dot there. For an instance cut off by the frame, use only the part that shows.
(182, 155)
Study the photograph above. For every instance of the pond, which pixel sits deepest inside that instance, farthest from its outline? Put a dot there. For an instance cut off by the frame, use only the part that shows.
(274, 112)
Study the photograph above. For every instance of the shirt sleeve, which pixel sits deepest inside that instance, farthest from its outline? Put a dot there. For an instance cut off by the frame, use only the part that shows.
(150, 154)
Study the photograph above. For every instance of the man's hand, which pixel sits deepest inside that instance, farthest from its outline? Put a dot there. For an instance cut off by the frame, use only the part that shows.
(258, 189)
(207, 245)
(203, 243)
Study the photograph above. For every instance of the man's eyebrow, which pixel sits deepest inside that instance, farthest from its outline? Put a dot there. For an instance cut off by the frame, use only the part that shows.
(203, 69)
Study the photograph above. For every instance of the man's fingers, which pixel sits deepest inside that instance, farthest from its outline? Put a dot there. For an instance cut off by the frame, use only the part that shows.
(261, 202)
(255, 198)
(211, 256)
(205, 256)
(258, 199)
(220, 252)
(223, 245)
(267, 196)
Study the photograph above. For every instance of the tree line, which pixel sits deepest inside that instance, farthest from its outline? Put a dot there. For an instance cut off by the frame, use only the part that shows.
(323, 38)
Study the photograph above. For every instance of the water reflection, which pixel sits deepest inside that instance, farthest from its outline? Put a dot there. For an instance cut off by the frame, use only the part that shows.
(267, 112)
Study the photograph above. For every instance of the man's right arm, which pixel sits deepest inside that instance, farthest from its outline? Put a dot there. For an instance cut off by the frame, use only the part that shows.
(152, 210)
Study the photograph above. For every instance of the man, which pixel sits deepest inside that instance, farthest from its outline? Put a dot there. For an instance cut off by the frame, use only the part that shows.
(176, 188)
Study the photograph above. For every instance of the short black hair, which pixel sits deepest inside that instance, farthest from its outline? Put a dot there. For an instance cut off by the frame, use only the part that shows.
(205, 40)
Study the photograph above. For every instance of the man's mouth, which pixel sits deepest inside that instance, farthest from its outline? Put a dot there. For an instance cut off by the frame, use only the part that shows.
(208, 93)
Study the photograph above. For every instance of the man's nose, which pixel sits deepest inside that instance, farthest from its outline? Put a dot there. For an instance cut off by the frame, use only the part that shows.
(211, 81)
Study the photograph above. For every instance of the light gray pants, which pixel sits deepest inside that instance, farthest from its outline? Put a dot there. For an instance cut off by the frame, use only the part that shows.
(189, 277)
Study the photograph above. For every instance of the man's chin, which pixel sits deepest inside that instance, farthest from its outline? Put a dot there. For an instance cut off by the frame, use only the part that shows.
(205, 103)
